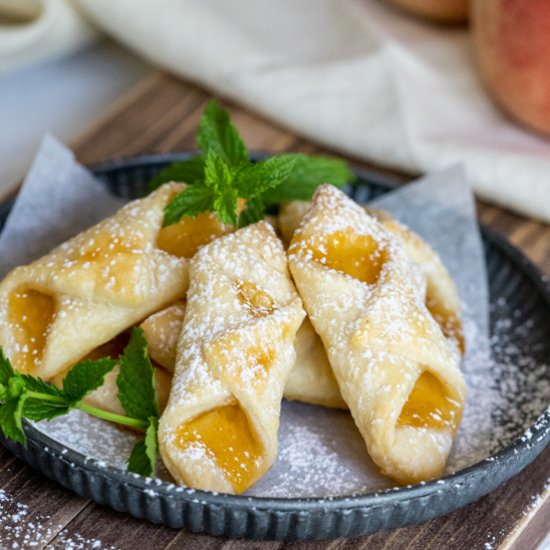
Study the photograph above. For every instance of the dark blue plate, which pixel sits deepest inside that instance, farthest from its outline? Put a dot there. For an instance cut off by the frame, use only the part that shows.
(519, 293)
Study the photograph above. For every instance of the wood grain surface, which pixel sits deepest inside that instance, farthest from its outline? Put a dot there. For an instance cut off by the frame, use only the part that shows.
(161, 114)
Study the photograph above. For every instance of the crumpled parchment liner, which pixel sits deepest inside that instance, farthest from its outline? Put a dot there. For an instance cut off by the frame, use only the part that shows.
(320, 450)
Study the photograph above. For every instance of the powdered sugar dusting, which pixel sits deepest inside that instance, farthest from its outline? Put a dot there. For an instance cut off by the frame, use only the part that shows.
(24, 529)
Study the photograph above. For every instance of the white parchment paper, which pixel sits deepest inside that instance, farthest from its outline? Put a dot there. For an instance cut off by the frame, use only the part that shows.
(320, 450)
(58, 199)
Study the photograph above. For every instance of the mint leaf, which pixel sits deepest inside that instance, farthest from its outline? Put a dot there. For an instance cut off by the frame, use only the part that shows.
(225, 205)
(11, 419)
(185, 171)
(144, 454)
(85, 377)
(219, 178)
(6, 370)
(35, 409)
(307, 174)
(257, 178)
(136, 380)
(217, 173)
(38, 385)
(217, 134)
(254, 212)
(191, 201)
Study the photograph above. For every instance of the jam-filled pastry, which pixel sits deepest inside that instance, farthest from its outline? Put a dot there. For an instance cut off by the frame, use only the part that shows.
(396, 370)
(441, 297)
(59, 308)
(106, 396)
(236, 349)
(310, 381)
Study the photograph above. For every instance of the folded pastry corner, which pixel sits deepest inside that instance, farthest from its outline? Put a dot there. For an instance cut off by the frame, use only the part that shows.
(235, 352)
(441, 297)
(395, 368)
(162, 331)
(62, 306)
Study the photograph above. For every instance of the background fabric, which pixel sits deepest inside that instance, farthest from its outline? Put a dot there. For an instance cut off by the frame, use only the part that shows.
(354, 75)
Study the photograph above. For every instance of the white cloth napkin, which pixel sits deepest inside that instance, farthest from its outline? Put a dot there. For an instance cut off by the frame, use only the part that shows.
(355, 75)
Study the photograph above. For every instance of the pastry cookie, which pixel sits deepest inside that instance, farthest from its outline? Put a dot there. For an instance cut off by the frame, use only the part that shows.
(312, 380)
(235, 353)
(88, 290)
(395, 368)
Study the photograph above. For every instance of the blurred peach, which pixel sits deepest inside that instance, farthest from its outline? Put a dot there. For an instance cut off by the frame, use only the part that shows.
(512, 47)
(441, 11)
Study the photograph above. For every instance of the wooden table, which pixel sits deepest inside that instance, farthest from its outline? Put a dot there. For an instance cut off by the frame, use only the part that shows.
(161, 114)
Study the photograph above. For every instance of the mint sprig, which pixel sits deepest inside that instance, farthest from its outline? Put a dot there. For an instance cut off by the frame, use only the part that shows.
(26, 396)
(136, 379)
(224, 173)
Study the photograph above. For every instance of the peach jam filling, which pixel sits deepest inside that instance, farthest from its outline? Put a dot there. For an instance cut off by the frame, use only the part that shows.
(261, 358)
(358, 256)
(184, 238)
(30, 314)
(227, 437)
(450, 324)
(429, 406)
(256, 302)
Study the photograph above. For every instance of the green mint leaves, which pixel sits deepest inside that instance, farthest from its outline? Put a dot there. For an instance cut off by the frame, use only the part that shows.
(12, 393)
(84, 378)
(306, 175)
(144, 454)
(218, 135)
(136, 380)
(223, 174)
(24, 396)
(138, 396)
